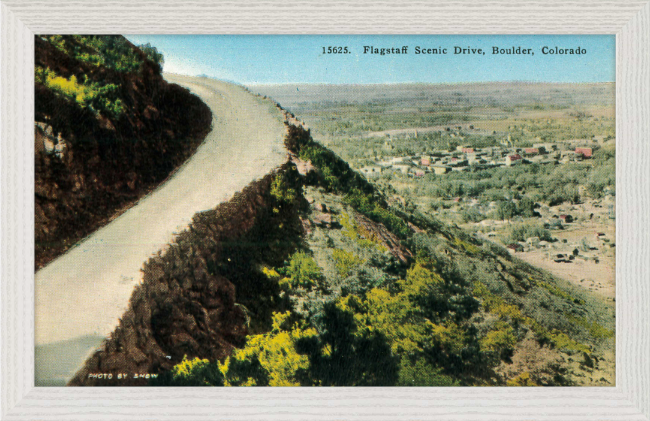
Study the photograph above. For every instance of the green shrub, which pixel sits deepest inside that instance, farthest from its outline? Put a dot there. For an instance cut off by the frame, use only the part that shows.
(520, 232)
(501, 340)
(498, 306)
(369, 206)
(282, 190)
(506, 210)
(269, 359)
(99, 98)
(112, 51)
(345, 262)
(560, 293)
(524, 379)
(153, 54)
(422, 373)
(359, 234)
(470, 248)
(301, 271)
(347, 353)
(472, 215)
(194, 372)
(595, 330)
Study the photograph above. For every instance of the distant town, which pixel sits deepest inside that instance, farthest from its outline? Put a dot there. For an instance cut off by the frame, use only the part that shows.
(466, 157)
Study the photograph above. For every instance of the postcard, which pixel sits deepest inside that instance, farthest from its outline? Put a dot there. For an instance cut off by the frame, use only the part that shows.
(325, 210)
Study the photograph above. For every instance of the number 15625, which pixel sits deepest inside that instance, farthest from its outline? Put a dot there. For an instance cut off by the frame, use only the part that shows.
(336, 50)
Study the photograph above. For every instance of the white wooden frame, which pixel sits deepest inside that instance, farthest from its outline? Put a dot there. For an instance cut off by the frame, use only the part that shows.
(628, 19)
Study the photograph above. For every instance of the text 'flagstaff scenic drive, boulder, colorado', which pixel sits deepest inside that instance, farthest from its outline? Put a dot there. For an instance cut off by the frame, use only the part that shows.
(456, 50)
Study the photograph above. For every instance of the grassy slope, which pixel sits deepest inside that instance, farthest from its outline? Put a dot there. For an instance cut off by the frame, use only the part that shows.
(572, 331)
(373, 295)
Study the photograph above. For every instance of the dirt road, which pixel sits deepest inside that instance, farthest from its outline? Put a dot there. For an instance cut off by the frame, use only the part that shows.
(81, 295)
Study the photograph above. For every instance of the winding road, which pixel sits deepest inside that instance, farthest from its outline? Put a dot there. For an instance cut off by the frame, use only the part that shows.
(81, 295)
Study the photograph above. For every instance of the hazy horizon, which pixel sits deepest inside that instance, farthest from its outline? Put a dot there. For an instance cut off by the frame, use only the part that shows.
(523, 82)
(418, 83)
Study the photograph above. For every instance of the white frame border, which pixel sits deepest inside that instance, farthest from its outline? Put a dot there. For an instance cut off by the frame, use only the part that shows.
(628, 19)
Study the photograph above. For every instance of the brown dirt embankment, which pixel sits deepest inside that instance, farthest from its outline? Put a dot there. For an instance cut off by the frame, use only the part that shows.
(104, 163)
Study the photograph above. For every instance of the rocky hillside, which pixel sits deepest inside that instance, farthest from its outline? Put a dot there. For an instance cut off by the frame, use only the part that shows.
(108, 129)
(311, 277)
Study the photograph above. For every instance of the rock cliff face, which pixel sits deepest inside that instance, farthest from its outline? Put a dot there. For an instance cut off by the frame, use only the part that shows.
(90, 163)
(202, 296)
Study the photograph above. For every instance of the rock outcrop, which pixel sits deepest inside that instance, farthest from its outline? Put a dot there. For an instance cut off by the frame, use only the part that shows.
(198, 297)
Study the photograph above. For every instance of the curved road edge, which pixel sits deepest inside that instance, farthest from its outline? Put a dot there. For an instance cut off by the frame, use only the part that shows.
(81, 295)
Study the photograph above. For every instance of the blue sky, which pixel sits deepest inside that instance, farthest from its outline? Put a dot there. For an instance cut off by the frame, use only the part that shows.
(257, 59)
